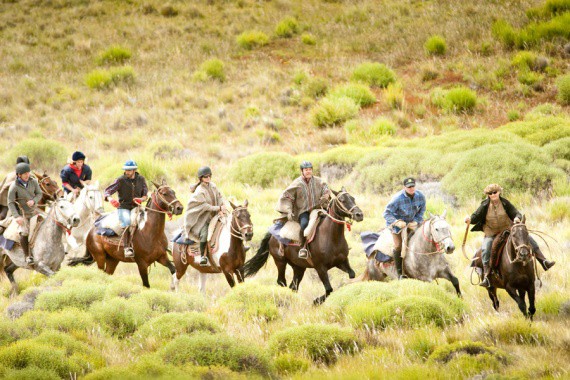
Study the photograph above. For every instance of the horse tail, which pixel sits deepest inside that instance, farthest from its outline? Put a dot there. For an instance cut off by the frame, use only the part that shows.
(2, 265)
(253, 265)
(85, 260)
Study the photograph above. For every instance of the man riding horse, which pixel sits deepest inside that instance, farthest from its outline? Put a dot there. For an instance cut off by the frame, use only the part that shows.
(23, 197)
(405, 210)
(206, 200)
(132, 190)
(75, 175)
(5, 186)
(305, 194)
(495, 215)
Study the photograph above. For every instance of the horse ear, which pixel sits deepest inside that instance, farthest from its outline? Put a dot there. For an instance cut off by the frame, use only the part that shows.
(155, 184)
(245, 203)
(444, 214)
(343, 189)
(334, 192)
(36, 174)
(430, 214)
(523, 219)
(163, 182)
(232, 204)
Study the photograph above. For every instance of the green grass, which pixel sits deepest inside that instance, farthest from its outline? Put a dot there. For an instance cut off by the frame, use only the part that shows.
(212, 69)
(334, 111)
(114, 55)
(287, 27)
(563, 84)
(374, 74)
(435, 45)
(361, 94)
(252, 39)
(264, 169)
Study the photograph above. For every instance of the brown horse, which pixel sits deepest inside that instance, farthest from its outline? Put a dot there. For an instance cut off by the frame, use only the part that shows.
(516, 270)
(230, 253)
(50, 191)
(328, 249)
(149, 243)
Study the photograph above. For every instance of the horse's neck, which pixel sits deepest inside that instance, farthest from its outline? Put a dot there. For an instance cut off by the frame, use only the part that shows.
(156, 219)
(332, 227)
(81, 208)
(422, 239)
(236, 244)
(49, 231)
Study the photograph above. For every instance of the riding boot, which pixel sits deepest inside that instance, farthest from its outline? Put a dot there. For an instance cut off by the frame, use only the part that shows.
(204, 259)
(486, 272)
(26, 248)
(546, 264)
(128, 250)
(303, 252)
(399, 263)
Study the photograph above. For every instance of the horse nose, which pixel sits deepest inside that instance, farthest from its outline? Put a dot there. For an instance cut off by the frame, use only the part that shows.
(178, 210)
(248, 236)
(451, 248)
(75, 221)
(358, 216)
(100, 210)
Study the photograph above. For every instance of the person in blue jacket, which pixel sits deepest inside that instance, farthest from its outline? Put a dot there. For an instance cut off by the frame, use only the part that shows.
(75, 175)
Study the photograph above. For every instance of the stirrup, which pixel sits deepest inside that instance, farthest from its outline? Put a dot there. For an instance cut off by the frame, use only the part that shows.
(303, 253)
(485, 283)
(30, 260)
(129, 253)
(204, 262)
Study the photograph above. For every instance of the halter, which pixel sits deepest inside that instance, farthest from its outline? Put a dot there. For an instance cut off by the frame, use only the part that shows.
(429, 239)
(58, 223)
(336, 203)
(240, 230)
(155, 194)
(41, 182)
(517, 247)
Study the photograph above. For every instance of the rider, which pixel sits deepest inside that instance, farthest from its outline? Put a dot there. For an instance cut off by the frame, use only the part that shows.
(5, 186)
(23, 196)
(305, 194)
(132, 190)
(406, 208)
(75, 175)
(205, 201)
(503, 214)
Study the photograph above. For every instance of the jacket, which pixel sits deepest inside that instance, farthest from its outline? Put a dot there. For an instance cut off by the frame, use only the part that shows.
(480, 215)
(204, 203)
(302, 197)
(68, 176)
(128, 189)
(18, 195)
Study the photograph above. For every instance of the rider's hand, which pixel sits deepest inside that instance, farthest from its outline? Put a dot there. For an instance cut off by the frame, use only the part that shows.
(290, 217)
(222, 208)
(115, 203)
(30, 203)
(517, 220)
(20, 220)
(467, 220)
(138, 200)
(76, 191)
(413, 225)
(400, 223)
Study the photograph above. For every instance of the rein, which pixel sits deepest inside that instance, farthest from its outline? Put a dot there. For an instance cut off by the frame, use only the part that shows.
(160, 210)
(516, 247)
(336, 203)
(439, 249)
(240, 229)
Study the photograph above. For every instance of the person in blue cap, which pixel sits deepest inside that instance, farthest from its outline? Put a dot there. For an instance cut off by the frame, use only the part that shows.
(76, 174)
(132, 190)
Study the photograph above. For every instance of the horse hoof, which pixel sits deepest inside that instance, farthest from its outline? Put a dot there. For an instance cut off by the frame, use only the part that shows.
(319, 301)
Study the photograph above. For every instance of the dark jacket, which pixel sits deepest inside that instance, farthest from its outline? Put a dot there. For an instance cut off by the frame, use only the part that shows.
(68, 176)
(128, 189)
(18, 195)
(479, 216)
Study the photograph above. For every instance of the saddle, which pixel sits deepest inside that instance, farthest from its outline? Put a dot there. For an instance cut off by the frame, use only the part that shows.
(189, 248)
(497, 248)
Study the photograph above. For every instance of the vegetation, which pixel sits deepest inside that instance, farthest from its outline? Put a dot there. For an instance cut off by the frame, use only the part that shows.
(334, 111)
(374, 74)
(252, 39)
(435, 45)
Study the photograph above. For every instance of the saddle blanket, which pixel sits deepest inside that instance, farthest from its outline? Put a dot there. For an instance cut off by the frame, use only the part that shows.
(376, 244)
(275, 230)
(180, 239)
(12, 233)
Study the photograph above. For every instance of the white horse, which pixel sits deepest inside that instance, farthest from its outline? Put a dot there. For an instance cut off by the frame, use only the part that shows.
(47, 248)
(89, 206)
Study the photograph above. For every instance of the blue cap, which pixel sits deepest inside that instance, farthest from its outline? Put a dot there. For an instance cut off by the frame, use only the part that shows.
(130, 165)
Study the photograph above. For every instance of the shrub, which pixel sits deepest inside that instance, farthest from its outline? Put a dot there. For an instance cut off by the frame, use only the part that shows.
(99, 79)
(115, 55)
(382, 126)
(308, 39)
(252, 39)
(360, 93)
(30, 373)
(91, 274)
(43, 153)
(263, 169)
(287, 27)
(315, 87)
(551, 303)
(288, 364)
(530, 78)
(169, 11)
(331, 112)
(211, 69)
(558, 149)
(218, 349)
(170, 325)
(514, 331)
(321, 343)
(540, 130)
(513, 115)
(166, 302)
(559, 209)
(505, 33)
(435, 45)
(27, 353)
(120, 317)
(524, 60)
(265, 303)
(422, 342)
(374, 74)
(123, 289)
(77, 294)
(80, 352)
(70, 319)
(461, 99)
(122, 74)
(394, 95)
(448, 352)
(563, 84)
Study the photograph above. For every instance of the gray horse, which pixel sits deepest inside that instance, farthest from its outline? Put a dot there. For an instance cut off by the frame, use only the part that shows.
(425, 258)
(47, 250)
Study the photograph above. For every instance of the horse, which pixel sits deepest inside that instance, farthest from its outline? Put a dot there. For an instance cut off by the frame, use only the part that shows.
(47, 247)
(50, 190)
(89, 206)
(149, 243)
(425, 257)
(230, 253)
(328, 249)
(516, 270)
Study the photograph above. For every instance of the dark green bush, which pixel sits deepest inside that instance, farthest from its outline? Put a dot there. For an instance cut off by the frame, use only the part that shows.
(210, 350)
(263, 169)
(321, 343)
(168, 326)
(374, 74)
(435, 45)
(120, 317)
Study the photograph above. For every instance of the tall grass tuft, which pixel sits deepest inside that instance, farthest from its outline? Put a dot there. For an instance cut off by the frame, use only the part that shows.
(211, 69)
(263, 169)
(435, 45)
(252, 39)
(287, 27)
(360, 93)
(44, 154)
(563, 84)
(374, 74)
(333, 112)
(114, 55)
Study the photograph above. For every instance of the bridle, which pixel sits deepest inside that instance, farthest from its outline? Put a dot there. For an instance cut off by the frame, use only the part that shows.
(240, 229)
(67, 228)
(518, 247)
(429, 239)
(44, 190)
(169, 205)
(337, 204)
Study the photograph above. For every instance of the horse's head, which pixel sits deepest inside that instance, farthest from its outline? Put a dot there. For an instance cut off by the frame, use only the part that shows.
(166, 199)
(92, 198)
(520, 241)
(64, 213)
(242, 221)
(440, 232)
(345, 205)
(48, 186)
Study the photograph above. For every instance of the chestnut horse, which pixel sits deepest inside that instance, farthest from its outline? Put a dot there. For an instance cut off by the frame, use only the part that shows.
(516, 270)
(328, 249)
(149, 243)
(230, 254)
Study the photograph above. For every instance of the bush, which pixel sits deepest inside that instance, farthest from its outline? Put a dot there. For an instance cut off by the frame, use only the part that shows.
(563, 84)
(530, 78)
(122, 74)
(216, 350)
(27, 353)
(253, 301)
(70, 319)
(211, 69)
(374, 74)
(315, 87)
(287, 27)
(448, 352)
(360, 93)
(308, 39)
(422, 342)
(120, 317)
(331, 112)
(288, 364)
(43, 153)
(559, 209)
(30, 373)
(513, 115)
(394, 95)
(100, 79)
(91, 274)
(170, 325)
(435, 45)
(558, 149)
(77, 294)
(381, 127)
(166, 302)
(252, 39)
(514, 331)
(114, 55)
(321, 343)
(540, 130)
(524, 60)
(461, 99)
(505, 33)
(80, 352)
(263, 169)
(169, 11)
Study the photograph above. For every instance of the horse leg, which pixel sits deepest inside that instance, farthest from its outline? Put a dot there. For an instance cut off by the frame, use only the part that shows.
(324, 276)
(202, 286)
(44, 269)
(110, 265)
(143, 271)
(493, 296)
(451, 278)
(230, 279)
(239, 274)
(9, 270)
(531, 307)
(345, 267)
(298, 273)
(167, 263)
(281, 267)
(520, 302)
(522, 295)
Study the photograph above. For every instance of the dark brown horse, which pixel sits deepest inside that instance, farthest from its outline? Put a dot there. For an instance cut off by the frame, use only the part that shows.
(149, 243)
(516, 272)
(230, 253)
(50, 191)
(328, 249)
